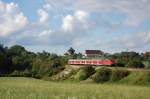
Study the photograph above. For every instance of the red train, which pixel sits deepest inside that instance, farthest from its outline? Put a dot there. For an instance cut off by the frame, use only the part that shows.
(91, 62)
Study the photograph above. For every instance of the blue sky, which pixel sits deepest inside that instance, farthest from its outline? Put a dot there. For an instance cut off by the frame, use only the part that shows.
(56, 25)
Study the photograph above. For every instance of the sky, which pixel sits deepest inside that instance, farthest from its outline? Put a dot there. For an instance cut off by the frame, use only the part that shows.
(57, 25)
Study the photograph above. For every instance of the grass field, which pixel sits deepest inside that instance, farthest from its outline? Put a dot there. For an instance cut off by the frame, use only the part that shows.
(28, 88)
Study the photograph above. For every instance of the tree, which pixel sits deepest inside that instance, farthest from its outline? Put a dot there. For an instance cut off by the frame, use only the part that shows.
(79, 56)
(135, 64)
(16, 50)
(148, 65)
(123, 58)
(71, 51)
(2, 55)
(85, 72)
(102, 75)
(17, 58)
(43, 55)
(20, 58)
(2, 59)
(47, 66)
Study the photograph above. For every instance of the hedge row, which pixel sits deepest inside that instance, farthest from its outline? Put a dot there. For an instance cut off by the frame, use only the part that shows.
(84, 73)
(101, 75)
(105, 74)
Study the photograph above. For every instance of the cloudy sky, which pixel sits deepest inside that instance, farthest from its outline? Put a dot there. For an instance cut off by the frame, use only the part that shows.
(56, 25)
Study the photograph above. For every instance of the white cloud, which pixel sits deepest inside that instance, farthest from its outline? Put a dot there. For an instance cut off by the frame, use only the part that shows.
(81, 15)
(72, 28)
(45, 33)
(47, 7)
(134, 42)
(43, 16)
(12, 7)
(39, 32)
(75, 22)
(61, 4)
(68, 23)
(44, 37)
(145, 37)
(136, 11)
(11, 19)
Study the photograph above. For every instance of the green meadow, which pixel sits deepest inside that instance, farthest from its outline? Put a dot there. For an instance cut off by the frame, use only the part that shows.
(29, 88)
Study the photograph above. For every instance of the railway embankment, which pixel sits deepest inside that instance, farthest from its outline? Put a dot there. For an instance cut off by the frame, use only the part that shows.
(103, 74)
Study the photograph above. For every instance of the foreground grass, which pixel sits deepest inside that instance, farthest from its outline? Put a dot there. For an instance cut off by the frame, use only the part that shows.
(28, 88)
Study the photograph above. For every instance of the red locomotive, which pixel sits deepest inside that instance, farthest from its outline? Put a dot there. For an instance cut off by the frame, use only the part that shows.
(91, 62)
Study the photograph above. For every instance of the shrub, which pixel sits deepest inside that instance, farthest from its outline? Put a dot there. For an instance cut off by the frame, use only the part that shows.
(16, 74)
(84, 73)
(147, 66)
(137, 78)
(119, 65)
(102, 75)
(135, 64)
(147, 76)
(54, 71)
(81, 75)
(27, 73)
(89, 70)
(37, 75)
(143, 78)
(118, 74)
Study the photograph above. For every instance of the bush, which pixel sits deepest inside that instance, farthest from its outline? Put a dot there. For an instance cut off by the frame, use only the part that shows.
(81, 75)
(118, 74)
(54, 71)
(135, 64)
(84, 73)
(119, 64)
(16, 74)
(37, 75)
(27, 73)
(89, 70)
(137, 78)
(102, 75)
(143, 78)
(147, 76)
(147, 66)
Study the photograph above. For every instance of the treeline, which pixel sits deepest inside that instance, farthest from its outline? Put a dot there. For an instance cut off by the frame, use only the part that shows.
(17, 61)
(130, 59)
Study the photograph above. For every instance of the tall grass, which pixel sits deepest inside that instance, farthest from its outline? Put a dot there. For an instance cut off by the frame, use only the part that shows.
(28, 88)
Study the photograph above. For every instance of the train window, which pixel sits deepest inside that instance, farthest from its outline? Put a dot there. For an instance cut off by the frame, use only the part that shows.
(88, 62)
(82, 61)
(94, 62)
(78, 62)
(100, 62)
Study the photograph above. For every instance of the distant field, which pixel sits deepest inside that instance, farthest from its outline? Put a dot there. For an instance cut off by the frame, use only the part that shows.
(28, 88)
